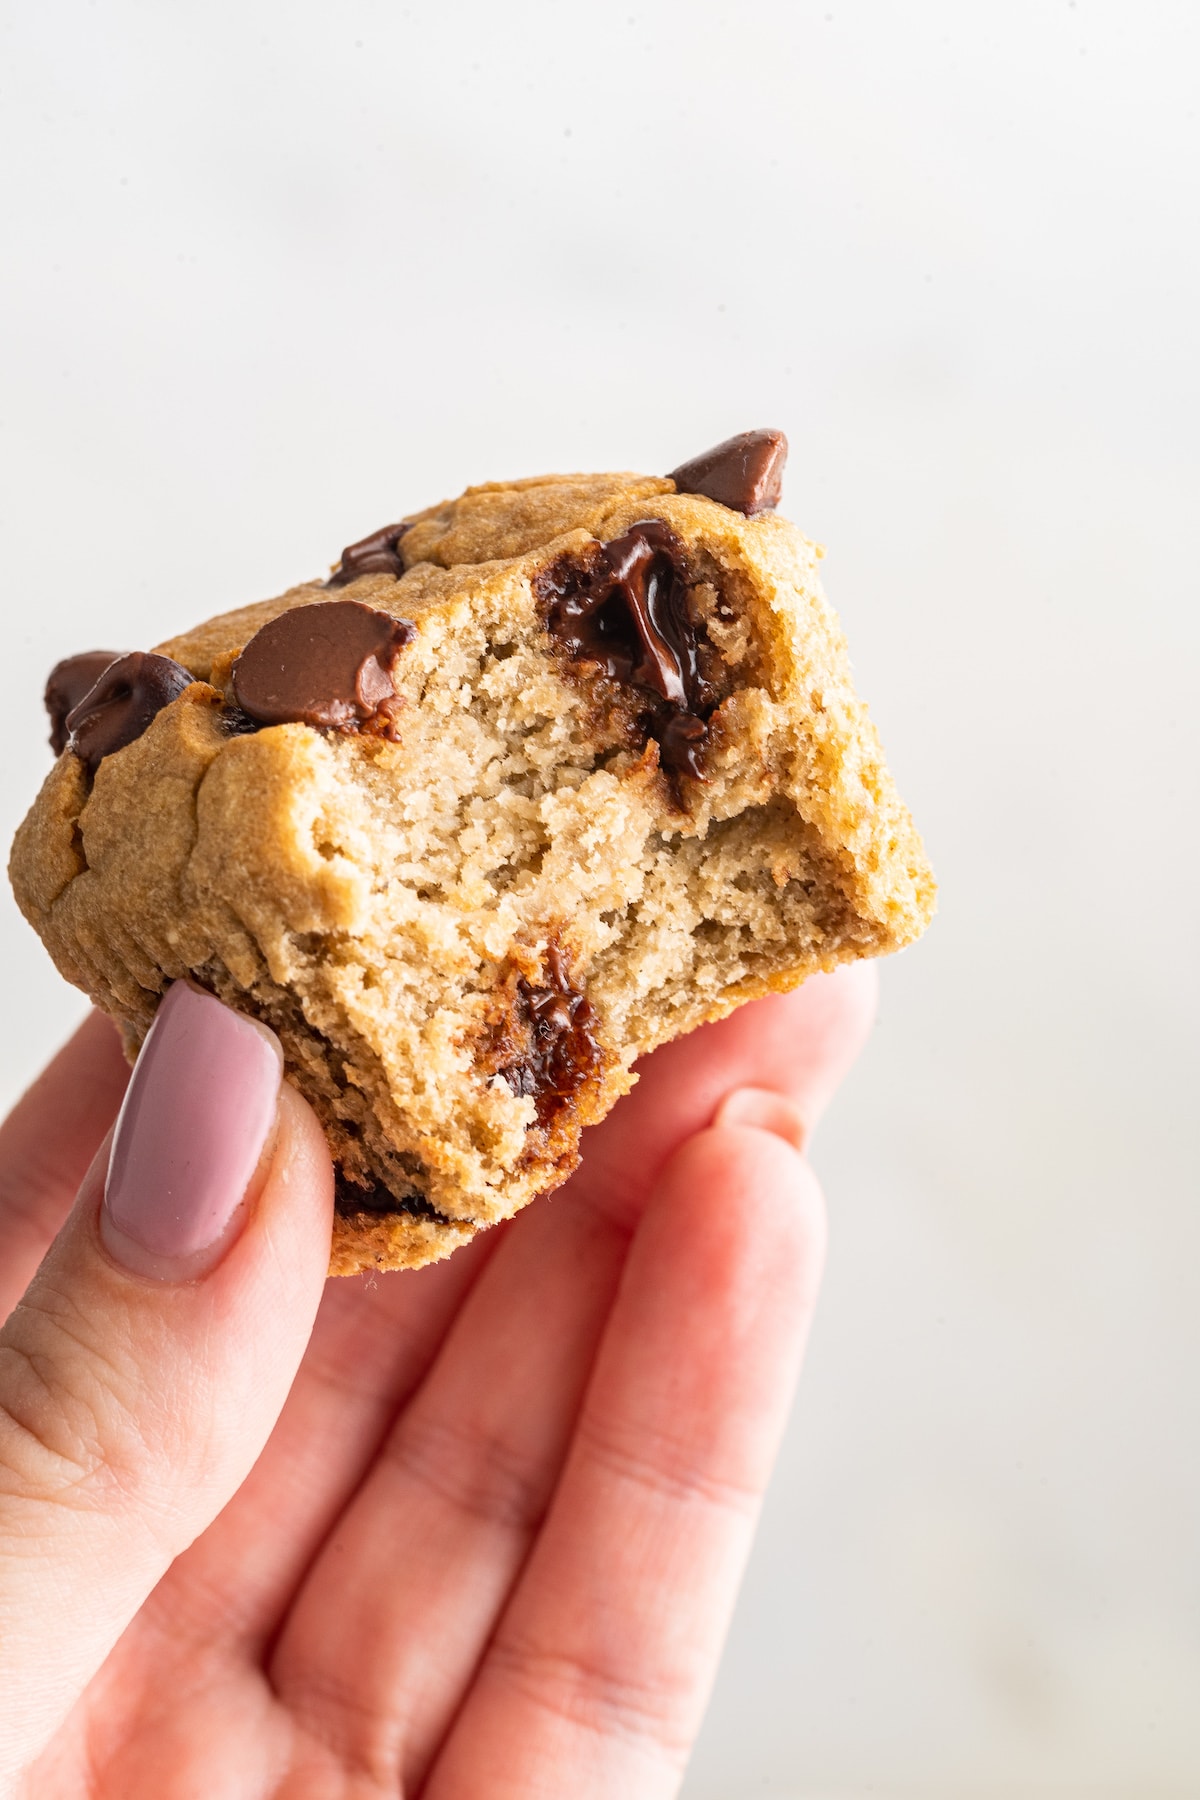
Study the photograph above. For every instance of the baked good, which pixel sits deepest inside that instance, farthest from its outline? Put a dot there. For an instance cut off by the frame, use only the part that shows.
(535, 780)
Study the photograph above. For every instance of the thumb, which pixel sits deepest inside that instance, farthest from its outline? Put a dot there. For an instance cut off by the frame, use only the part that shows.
(142, 1374)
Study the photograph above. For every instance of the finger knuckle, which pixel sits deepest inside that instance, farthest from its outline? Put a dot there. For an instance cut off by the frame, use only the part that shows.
(673, 1469)
(652, 1708)
(68, 1432)
(477, 1471)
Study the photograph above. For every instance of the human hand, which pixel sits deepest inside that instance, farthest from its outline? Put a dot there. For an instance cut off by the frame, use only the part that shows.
(475, 1530)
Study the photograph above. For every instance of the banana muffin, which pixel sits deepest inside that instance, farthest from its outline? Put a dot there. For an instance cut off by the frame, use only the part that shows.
(534, 781)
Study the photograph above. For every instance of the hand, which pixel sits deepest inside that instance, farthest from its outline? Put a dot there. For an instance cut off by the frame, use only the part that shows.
(474, 1531)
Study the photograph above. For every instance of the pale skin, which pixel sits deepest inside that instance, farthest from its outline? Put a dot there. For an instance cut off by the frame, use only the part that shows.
(471, 1531)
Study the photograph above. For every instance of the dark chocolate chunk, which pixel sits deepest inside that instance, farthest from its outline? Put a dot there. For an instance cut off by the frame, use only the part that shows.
(378, 554)
(118, 707)
(625, 613)
(745, 472)
(67, 683)
(681, 745)
(351, 1197)
(559, 1051)
(328, 664)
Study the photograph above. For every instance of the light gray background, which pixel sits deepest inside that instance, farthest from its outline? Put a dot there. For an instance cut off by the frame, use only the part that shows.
(278, 272)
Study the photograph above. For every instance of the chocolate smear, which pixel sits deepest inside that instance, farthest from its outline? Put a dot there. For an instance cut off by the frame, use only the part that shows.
(328, 664)
(350, 1197)
(559, 1050)
(377, 554)
(744, 472)
(625, 614)
(118, 707)
(66, 685)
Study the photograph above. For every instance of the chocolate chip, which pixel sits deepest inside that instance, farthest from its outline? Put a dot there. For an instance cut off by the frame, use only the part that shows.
(66, 685)
(378, 554)
(327, 664)
(559, 1052)
(120, 705)
(745, 472)
(624, 613)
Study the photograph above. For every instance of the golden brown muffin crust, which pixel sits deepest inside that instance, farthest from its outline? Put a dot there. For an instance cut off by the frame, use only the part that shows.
(426, 922)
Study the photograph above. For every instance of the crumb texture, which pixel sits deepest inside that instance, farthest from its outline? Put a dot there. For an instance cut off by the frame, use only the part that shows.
(466, 934)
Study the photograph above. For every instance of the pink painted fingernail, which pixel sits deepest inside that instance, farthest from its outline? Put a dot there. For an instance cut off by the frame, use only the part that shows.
(197, 1116)
(763, 1110)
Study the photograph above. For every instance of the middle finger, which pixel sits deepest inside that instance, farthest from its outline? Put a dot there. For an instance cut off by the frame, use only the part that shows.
(385, 1634)
(377, 1336)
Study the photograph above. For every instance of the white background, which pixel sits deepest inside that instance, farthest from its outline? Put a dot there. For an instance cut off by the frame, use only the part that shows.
(278, 272)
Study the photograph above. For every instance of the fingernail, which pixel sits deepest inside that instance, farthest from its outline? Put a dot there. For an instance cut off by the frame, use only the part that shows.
(197, 1116)
(763, 1110)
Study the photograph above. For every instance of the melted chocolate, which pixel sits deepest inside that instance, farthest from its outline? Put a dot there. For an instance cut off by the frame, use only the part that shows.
(119, 706)
(350, 1197)
(560, 1051)
(625, 614)
(681, 746)
(744, 473)
(67, 684)
(378, 554)
(236, 723)
(329, 664)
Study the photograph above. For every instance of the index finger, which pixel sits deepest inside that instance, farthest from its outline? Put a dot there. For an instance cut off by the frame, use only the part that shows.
(47, 1142)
